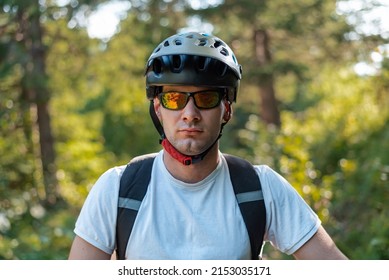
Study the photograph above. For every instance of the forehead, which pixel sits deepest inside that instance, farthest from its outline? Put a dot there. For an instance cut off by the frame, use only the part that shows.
(183, 88)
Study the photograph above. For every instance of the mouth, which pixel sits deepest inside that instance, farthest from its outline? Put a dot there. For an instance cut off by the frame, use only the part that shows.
(190, 131)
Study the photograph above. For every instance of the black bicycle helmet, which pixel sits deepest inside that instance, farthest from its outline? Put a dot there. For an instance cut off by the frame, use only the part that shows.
(193, 59)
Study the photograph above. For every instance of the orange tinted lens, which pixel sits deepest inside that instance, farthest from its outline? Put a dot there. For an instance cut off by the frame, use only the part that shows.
(174, 100)
(207, 99)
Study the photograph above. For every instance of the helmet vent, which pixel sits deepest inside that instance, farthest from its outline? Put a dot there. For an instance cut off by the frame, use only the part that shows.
(218, 44)
(166, 44)
(202, 42)
(201, 63)
(178, 42)
(221, 69)
(157, 66)
(224, 52)
(176, 63)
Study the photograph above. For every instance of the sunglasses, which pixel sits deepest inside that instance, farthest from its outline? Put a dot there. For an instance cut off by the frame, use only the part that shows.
(204, 99)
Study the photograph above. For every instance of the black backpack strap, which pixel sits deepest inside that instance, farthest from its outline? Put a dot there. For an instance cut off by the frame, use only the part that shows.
(248, 191)
(133, 187)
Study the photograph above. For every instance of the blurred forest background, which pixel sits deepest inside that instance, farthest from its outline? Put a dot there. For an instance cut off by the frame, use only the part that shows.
(72, 106)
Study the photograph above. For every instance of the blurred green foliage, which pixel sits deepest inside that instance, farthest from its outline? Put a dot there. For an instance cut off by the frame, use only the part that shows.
(333, 144)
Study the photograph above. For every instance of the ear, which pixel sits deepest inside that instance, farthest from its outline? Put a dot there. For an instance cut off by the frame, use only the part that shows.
(157, 107)
(228, 111)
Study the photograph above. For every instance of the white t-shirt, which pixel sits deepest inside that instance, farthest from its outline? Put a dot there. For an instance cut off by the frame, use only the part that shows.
(177, 220)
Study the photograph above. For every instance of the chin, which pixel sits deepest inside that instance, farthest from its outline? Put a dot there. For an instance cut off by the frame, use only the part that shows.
(190, 150)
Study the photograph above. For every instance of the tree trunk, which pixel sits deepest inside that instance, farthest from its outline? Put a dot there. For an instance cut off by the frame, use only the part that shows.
(35, 85)
(269, 107)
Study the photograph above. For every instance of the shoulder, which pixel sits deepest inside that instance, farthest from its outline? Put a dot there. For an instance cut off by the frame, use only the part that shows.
(268, 174)
(274, 184)
(277, 191)
(270, 180)
(111, 175)
(107, 185)
(281, 198)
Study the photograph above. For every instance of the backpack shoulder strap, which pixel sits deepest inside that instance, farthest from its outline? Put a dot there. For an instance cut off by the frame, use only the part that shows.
(248, 191)
(133, 187)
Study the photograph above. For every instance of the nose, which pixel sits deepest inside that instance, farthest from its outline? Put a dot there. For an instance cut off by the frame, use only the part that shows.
(190, 111)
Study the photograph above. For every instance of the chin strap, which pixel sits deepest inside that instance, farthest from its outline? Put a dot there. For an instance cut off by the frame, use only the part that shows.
(184, 159)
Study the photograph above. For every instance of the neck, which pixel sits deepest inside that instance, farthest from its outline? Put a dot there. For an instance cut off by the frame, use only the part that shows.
(195, 172)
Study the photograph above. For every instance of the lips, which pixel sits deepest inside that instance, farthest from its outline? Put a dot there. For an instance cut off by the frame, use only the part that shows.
(190, 130)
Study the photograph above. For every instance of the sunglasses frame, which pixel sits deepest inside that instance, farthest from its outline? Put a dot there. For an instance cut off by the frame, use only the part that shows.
(221, 94)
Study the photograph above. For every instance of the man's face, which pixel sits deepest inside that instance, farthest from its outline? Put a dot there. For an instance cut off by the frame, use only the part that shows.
(191, 130)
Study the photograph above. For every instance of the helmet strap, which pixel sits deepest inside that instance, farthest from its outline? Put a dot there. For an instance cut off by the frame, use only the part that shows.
(156, 121)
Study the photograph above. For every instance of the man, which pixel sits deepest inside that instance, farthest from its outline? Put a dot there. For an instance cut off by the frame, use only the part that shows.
(190, 210)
